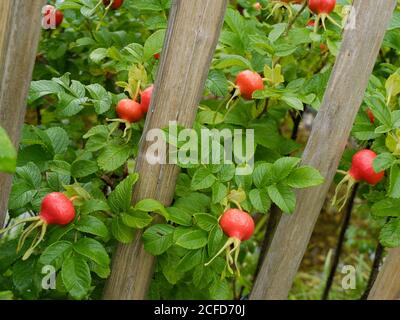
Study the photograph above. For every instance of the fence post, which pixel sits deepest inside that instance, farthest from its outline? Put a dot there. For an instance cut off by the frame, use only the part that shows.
(387, 284)
(192, 36)
(326, 144)
(19, 35)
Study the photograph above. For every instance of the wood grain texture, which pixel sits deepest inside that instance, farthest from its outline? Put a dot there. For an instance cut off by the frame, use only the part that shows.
(326, 144)
(387, 284)
(19, 35)
(192, 36)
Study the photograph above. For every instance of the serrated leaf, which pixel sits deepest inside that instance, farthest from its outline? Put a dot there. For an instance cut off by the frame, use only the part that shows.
(136, 219)
(120, 198)
(304, 177)
(192, 239)
(283, 197)
(113, 156)
(158, 238)
(76, 277)
(92, 225)
(93, 250)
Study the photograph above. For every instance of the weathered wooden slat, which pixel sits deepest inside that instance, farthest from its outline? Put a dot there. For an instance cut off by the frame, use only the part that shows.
(326, 144)
(19, 35)
(192, 35)
(387, 284)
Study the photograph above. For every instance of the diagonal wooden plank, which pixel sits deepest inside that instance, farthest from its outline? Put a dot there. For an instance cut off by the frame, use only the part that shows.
(326, 144)
(387, 284)
(192, 35)
(19, 35)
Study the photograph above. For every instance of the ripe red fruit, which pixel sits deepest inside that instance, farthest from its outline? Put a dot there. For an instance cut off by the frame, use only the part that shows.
(56, 208)
(362, 167)
(129, 110)
(249, 81)
(116, 4)
(237, 224)
(157, 56)
(361, 170)
(145, 98)
(322, 6)
(52, 14)
(370, 115)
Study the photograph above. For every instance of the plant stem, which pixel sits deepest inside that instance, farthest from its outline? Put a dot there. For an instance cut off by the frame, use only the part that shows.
(273, 220)
(339, 246)
(374, 270)
(291, 23)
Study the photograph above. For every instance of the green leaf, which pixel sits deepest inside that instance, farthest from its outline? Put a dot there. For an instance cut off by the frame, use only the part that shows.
(220, 290)
(283, 197)
(151, 205)
(60, 167)
(205, 221)
(233, 60)
(262, 175)
(83, 168)
(113, 156)
(219, 192)
(94, 205)
(92, 225)
(386, 208)
(122, 232)
(260, 200)
(217, 83)
(24, 278)
(8, 155)
(392, 85)
(277, 31)
(93, 250)
(214, 240)
(76, 277)
(180, 216)
(31, 174)
(202, 179)
(390, 234)
(293, 102)
(98, 55)
(42, 88)
(158, 238)
(100, 98)
(190, 260)
(304, 177)
(59, 139)
(192, 239)
(54, 252)
(153, 44)
(394, 182)
(21, 195)
(136, 219)
(120, 198)
(283, 167)
(380, 110)
(383, 161)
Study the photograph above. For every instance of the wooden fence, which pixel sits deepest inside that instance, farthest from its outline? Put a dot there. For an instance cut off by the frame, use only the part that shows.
(192, 35)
